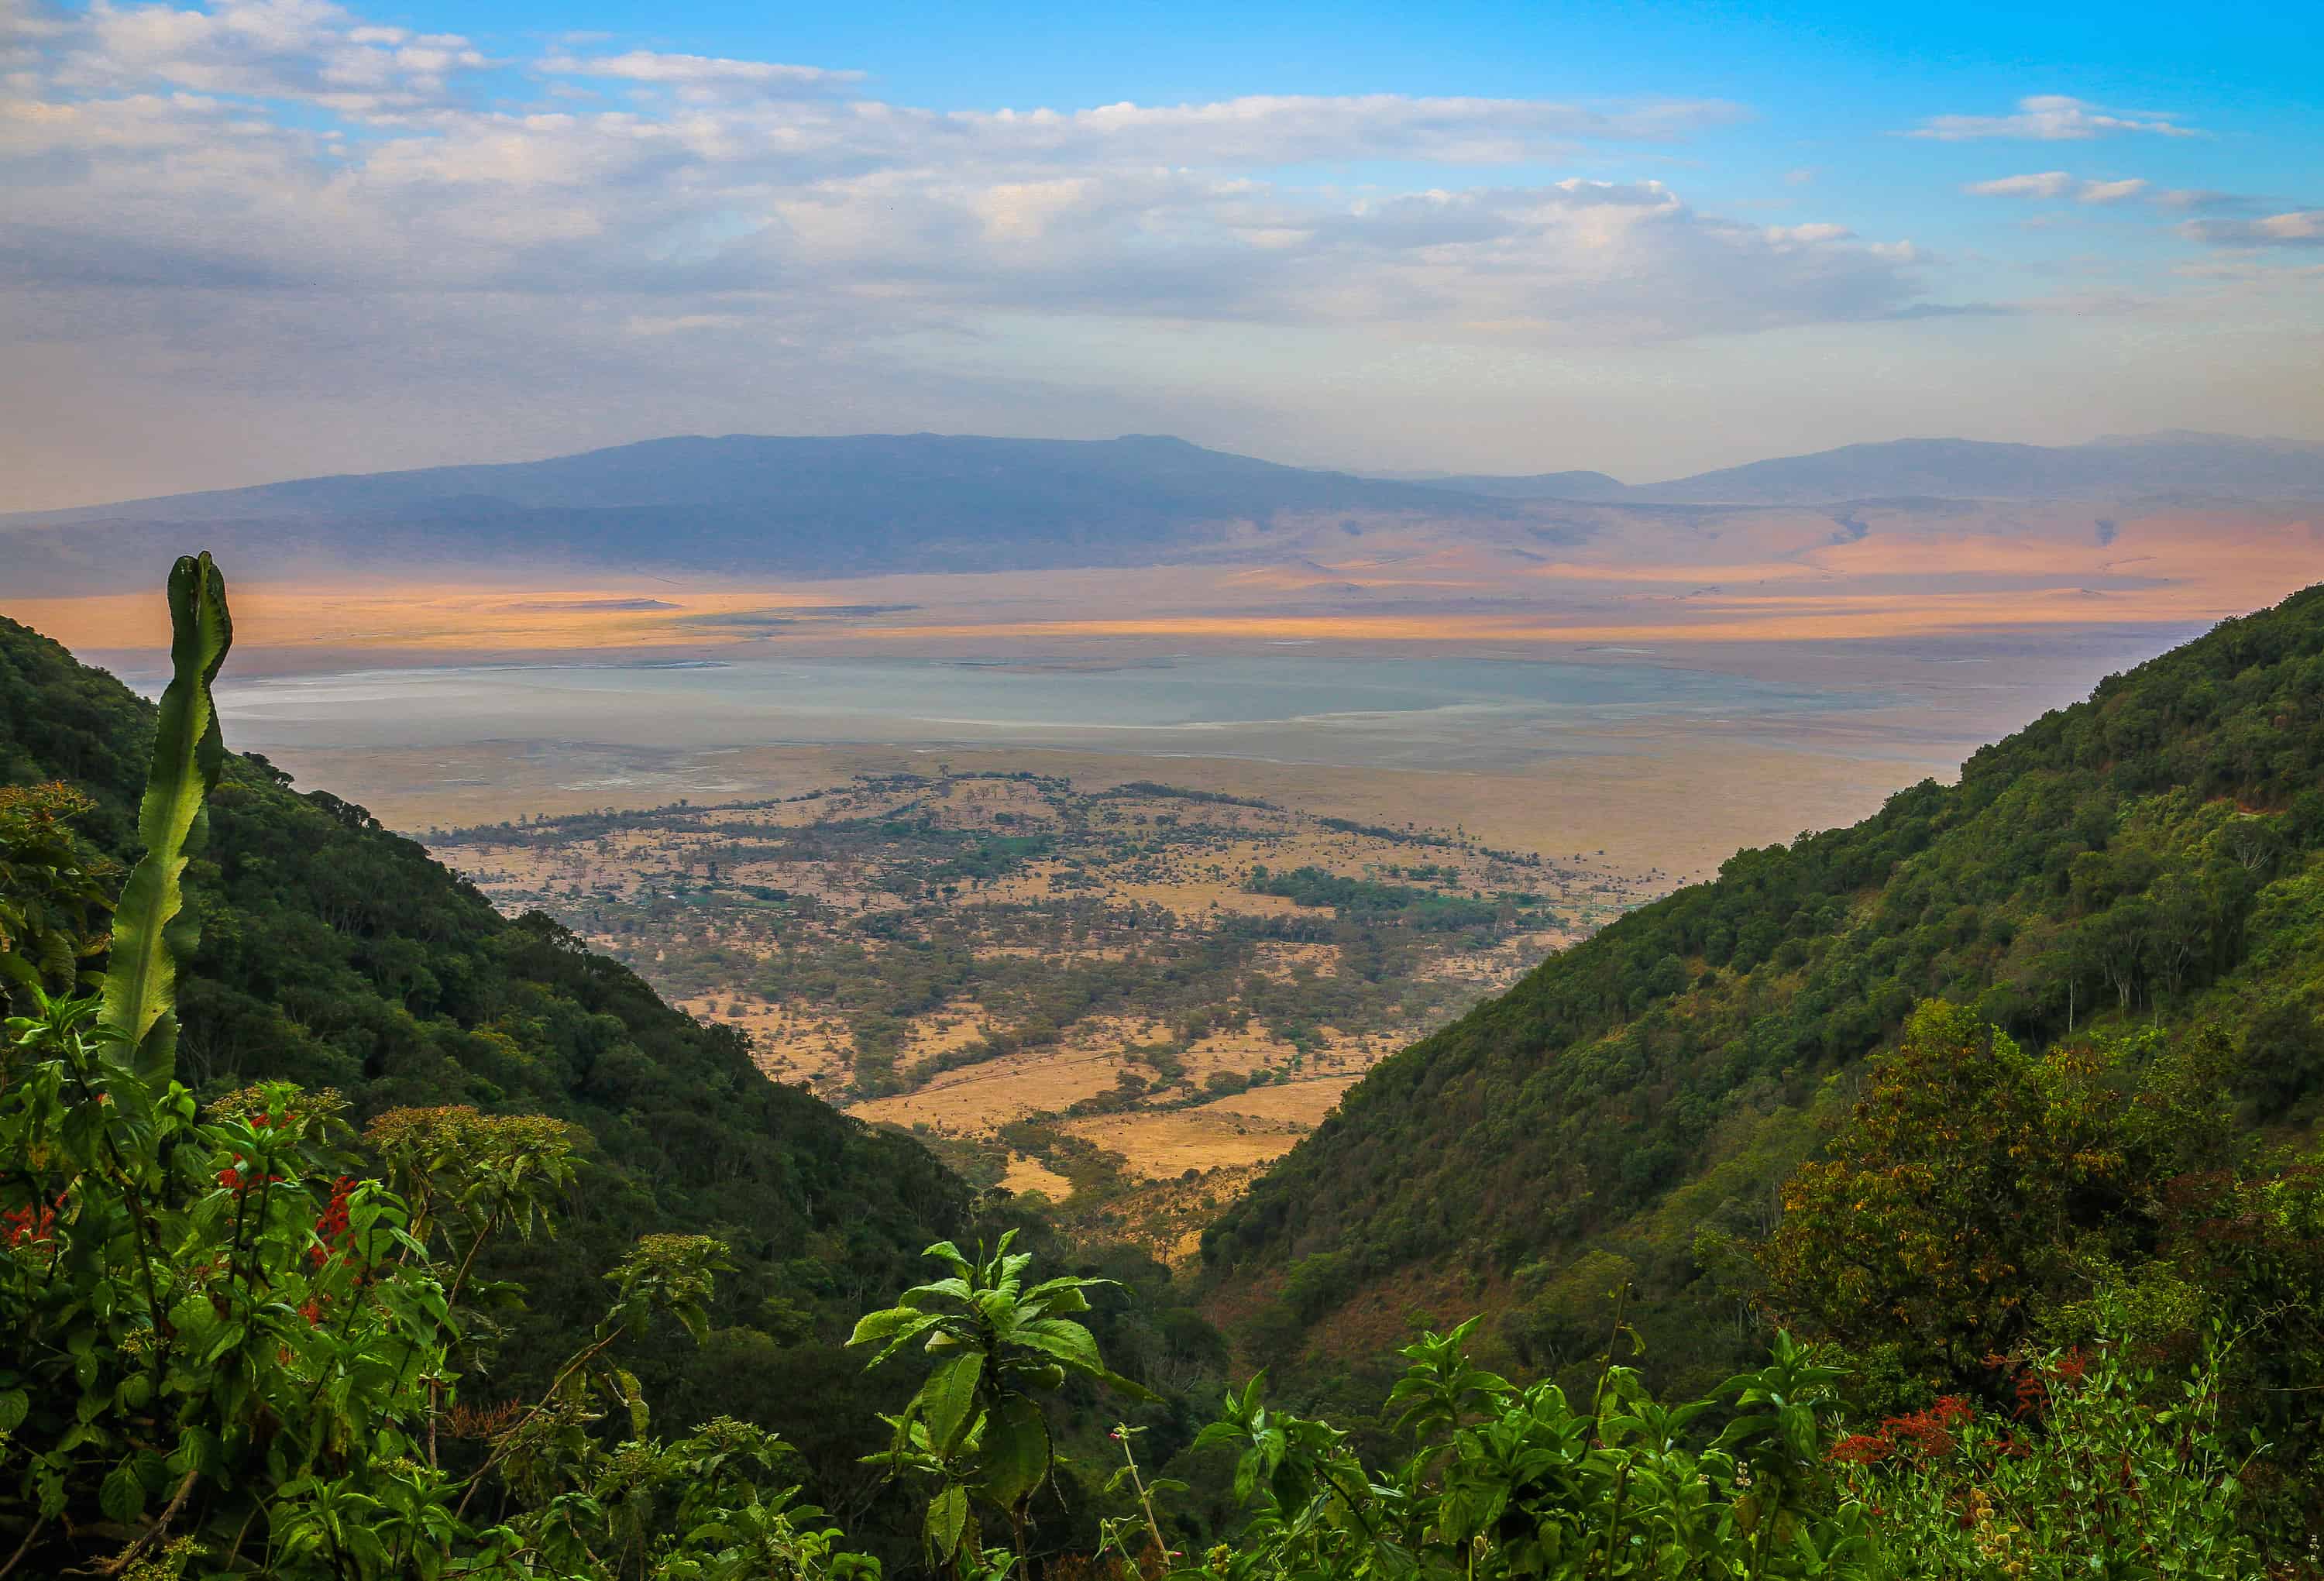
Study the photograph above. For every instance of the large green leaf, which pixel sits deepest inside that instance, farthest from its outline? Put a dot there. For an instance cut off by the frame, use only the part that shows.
(1016, 1451)
(948, 1401)
(947, 1513)
(141, 979)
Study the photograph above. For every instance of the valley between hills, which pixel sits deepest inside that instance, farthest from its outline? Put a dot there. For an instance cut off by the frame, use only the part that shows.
(1129, 996)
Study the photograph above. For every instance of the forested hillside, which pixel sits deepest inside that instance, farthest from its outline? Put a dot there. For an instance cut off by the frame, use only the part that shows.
(1628, 1115)
(336, 954)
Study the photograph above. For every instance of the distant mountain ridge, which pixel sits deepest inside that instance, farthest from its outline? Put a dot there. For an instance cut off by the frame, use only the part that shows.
(2117, 466)
(739, 503)
(865, 504)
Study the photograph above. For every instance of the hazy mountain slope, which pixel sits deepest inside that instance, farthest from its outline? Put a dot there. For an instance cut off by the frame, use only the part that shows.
(2203, 465)
(336, 954)
(2155, 853)
(746, 505)
(1591, 486)
(738, 505)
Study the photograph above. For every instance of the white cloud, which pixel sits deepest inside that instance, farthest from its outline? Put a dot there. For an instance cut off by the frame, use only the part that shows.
(294, 50)
(2046, 184)
(706, 190)
(484, 251)
(2051, 118)
(695, 70)
(2060, 183)
(1809, 233)
(2298, 229)
(2187, 199)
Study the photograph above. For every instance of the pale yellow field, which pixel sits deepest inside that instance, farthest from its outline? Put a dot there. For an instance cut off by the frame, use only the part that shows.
(1030, 1174)
(1160, 1146)
(1303, 1103)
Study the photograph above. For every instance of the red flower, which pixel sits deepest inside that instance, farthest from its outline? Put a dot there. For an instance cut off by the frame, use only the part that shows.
(32, 1223)
(2033, 1394)
(1928, 1433)
(1862, 1449)
(331, 1230)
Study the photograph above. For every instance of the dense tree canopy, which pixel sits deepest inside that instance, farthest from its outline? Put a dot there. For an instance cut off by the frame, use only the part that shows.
(2152, 856)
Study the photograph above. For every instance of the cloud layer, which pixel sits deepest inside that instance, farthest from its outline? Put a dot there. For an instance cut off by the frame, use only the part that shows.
(156, 146)
(236, 227)
(2053, 118)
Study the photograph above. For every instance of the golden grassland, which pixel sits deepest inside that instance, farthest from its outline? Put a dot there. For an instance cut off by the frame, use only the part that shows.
(609, 879)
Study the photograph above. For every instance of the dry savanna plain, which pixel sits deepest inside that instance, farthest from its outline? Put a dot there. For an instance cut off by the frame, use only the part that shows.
(1108, 882)
(1126, 997)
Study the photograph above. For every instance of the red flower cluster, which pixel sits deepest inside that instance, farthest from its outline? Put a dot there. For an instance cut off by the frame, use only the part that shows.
(234, 1179)
(331, 1230)
(2033, 1394)
(34, 1223)
(1861, 1449)
(1923, 1434)
(2032, 1384)
(1931, 1433)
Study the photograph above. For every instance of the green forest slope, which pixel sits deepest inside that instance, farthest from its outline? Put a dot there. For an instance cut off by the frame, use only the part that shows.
(1629, 1112)
(334, 954)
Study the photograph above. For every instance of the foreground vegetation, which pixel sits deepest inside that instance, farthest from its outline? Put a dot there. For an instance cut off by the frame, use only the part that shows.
(316, 948)
(2045, 1314)
(229, 1359)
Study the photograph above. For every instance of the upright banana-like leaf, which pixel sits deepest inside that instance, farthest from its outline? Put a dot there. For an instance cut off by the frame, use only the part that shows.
(141, 979)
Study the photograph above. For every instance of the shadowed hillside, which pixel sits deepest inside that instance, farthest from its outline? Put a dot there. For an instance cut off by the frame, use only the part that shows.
(2154, 855)
(338, 955)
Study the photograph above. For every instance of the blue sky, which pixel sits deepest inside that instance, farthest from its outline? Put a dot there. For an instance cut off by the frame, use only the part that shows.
(264, 237)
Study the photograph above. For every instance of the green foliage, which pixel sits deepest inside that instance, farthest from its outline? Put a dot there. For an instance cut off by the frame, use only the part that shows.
(1400, 904)
(1975, 1182)
(2105, 1469)
(228, 1353)
(2151, 856)
(1981, 1198)
(1509, 1482)
(335, 955)
(976, 1428)
(52, 894)
(189, 755)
